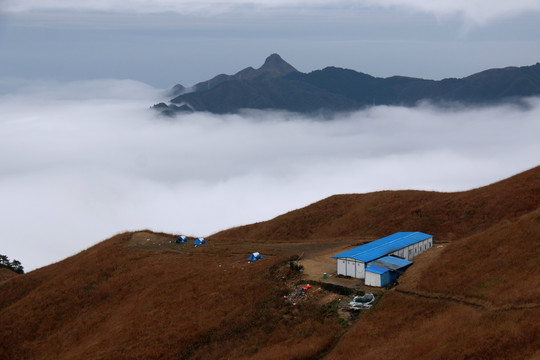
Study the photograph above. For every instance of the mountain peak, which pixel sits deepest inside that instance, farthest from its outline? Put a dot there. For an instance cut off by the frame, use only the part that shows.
(274, 58)
(275, 64)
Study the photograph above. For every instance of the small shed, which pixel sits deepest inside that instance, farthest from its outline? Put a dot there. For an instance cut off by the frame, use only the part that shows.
(385, 270)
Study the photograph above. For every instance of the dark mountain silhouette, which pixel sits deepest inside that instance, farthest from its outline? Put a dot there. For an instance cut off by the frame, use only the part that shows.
(278, 85)
(141, 296)
(267, 93)
(176, 90)
(274, 66)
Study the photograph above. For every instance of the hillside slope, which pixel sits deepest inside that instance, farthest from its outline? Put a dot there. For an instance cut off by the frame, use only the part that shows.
(6, 274)
(449, 215)
(141, 296)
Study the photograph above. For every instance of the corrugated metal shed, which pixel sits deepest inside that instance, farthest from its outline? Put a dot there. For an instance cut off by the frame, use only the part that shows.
(390, 263)
(383, 271)
(384, 246)
(376, 269)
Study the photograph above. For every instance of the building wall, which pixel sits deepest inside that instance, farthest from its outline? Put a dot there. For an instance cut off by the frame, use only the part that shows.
(372, 279)
(380, 280)
(342, 266)
(360, 269)
(350, 267)
(413, 250)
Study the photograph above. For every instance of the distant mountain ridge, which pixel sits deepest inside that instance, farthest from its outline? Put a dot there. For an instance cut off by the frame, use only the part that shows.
(274, 66)
(278, 85)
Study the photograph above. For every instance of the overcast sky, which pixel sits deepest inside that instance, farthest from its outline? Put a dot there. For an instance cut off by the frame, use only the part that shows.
(83, 158)
(164, 42)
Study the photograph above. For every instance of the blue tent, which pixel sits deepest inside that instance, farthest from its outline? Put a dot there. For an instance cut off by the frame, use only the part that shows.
(199, 241)
(255, 256)
(181, 239)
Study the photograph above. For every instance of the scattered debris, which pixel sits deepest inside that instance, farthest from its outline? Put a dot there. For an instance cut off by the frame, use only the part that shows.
(361, 302)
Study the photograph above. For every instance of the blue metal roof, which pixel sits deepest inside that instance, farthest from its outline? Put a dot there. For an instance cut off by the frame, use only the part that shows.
(390, 263)
(384, 246)
(377, 270)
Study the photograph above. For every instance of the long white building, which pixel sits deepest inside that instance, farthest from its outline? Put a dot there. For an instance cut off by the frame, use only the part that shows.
(405, 245)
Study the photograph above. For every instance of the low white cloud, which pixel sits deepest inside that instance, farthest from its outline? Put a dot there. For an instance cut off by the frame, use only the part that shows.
(476, 12)
(83, 161)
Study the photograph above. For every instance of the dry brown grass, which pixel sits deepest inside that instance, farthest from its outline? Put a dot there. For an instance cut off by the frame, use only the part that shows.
(499, 265)
(405, 327)
(6, 274)
(140, 296)
(117, 301)
(358, 216)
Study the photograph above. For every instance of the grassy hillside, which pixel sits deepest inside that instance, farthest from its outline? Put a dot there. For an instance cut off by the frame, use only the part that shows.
(6, 274)
(140, 296)
(447, 215)
(133, 298)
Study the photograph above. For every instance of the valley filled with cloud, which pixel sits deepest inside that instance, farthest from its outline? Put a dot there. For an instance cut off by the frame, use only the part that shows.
(82, 161)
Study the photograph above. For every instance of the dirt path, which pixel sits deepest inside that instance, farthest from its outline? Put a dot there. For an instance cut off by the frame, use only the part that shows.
(316, 257)
(475, 303)
(407, 284)
(322, 263)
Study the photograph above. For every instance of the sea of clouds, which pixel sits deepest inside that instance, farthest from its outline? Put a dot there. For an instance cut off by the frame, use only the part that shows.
(83, 161)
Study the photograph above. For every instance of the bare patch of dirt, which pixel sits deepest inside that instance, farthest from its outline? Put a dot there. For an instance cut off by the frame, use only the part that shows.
(152, 241)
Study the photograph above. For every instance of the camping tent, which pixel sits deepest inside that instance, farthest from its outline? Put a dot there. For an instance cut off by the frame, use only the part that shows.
(255, 256)
(181, 239)
(199, 241)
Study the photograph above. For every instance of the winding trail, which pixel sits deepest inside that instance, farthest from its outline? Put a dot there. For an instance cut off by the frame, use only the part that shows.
(467, 302)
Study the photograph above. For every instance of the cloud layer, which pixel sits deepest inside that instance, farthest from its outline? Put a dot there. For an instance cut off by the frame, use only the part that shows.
(478, 12)
(83, 161)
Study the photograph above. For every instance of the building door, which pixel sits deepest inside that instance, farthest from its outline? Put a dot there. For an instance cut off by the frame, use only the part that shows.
(342, 267)
(360, 270)
(351, 268)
